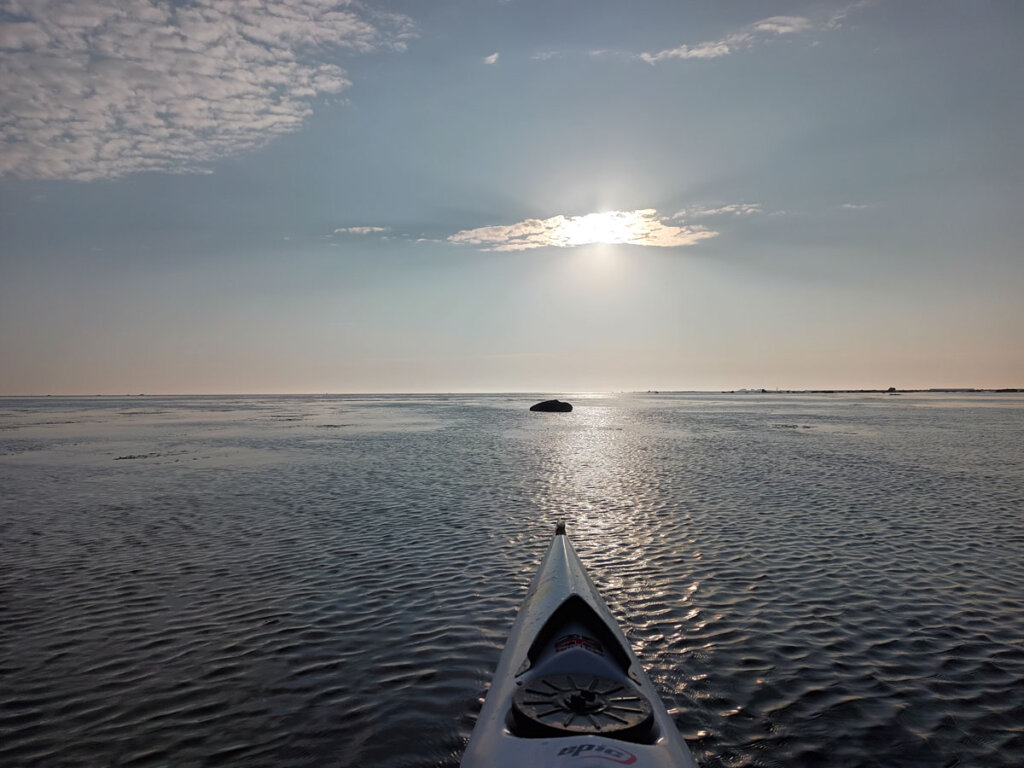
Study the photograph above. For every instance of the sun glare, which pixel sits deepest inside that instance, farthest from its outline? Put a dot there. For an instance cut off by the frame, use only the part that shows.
(640, 227)
(607, 227)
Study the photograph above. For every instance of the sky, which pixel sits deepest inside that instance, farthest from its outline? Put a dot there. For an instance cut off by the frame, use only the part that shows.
(305, 196)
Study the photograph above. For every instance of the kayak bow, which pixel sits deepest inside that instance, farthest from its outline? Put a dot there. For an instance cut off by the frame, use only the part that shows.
(568, 691)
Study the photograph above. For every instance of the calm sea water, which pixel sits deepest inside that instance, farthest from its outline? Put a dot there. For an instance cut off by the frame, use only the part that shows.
(828, 580)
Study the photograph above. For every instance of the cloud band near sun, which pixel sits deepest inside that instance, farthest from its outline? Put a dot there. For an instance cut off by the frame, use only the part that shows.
(102, 88)
(639, 227)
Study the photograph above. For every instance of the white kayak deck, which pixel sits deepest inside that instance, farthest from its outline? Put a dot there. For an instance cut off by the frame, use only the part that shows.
(568, 690)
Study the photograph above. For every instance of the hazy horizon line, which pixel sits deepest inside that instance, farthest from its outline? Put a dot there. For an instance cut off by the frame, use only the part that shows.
(539, 393)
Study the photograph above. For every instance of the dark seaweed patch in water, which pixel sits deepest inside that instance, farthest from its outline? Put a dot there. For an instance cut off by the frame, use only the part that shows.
(151, 455)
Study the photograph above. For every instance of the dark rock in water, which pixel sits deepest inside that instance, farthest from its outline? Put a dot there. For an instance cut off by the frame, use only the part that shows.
(552, 406)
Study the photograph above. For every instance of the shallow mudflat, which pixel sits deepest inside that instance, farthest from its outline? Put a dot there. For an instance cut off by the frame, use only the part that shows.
(306, 581)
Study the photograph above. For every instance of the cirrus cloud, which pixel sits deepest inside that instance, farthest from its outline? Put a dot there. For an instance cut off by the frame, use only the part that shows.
(639, 227)
(729, 209)
(753, 34)
(361, 230)
(102, 88)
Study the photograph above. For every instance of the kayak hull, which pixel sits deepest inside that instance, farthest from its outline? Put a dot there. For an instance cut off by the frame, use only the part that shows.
(568, 691)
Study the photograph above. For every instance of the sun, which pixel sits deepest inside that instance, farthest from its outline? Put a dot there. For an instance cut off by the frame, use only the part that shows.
(606, 227)
(640, 227)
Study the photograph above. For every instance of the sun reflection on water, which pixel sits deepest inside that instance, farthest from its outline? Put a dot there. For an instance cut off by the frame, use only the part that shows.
(604, 477)
(599, 483)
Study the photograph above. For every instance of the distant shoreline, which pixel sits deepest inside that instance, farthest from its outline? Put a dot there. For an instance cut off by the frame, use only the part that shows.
(742, 391)
(890, 391)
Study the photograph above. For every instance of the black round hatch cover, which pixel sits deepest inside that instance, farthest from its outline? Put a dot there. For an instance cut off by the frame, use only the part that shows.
(564, 705)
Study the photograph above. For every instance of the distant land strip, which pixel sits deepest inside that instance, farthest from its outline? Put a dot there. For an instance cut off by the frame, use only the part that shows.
(743, 391)
(889, 391)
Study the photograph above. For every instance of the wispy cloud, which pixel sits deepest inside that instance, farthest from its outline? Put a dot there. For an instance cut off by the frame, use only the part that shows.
(361, 230)
(102, 88)
(639, 227)
(492, 59)
(783, 25)
(752, 35)
(730, 209)
(856, 206)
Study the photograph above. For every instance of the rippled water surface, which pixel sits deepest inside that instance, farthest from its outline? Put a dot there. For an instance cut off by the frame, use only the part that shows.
(817, 580)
